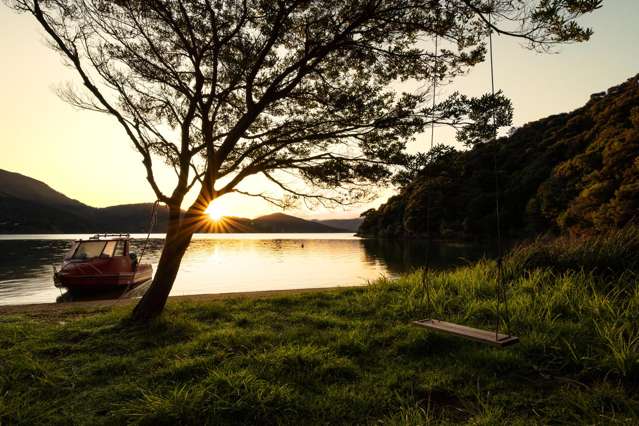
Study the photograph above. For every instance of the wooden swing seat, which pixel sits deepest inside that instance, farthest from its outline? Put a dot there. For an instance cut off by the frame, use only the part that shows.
(483, 336)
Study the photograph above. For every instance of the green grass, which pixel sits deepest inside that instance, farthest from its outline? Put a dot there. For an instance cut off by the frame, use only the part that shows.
(345, 357)
(613, 253)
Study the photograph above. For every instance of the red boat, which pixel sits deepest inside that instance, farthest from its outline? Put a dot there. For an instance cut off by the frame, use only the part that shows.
(102, 262)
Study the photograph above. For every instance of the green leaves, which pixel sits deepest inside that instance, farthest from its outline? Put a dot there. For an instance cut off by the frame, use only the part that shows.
(230, 89)
(486, 115)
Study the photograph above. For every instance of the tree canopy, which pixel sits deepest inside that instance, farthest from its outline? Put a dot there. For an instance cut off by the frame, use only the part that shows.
(294, 90)
(222, 90)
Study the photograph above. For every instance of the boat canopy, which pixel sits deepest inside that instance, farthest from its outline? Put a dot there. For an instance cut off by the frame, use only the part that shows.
(97, 248)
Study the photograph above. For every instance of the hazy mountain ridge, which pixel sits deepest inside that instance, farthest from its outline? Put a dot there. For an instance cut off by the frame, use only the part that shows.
(350, 225)
(41, 209)
(280, 222)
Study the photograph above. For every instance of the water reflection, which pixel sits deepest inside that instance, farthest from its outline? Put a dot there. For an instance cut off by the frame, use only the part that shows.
(403, 256)
(232, 263)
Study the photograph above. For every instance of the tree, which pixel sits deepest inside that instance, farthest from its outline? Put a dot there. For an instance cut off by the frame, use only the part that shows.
(222, 90)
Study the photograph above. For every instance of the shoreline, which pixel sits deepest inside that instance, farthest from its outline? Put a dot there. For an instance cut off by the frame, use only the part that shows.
(93, 306)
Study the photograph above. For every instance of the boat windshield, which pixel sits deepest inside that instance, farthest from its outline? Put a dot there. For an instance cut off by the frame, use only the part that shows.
(69, 254)
(89, 249)
(108, 250)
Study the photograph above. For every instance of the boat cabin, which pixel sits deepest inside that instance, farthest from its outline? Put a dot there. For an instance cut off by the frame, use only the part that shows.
(102, 246)
(102, 261)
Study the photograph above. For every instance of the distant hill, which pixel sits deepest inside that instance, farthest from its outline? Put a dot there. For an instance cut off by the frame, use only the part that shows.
(130, 218)
(280, 222)
(350, 225)
(272, 223)
(17, 186)
(574, 173)
(28, 206)
(19, 216)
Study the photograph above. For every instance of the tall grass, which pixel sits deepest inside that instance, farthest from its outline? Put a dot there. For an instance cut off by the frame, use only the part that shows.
(351, 357)
(612, 253)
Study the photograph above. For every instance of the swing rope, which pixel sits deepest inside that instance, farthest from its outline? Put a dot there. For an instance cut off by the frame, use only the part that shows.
(501, 285)
(483, 336)
(426, 271)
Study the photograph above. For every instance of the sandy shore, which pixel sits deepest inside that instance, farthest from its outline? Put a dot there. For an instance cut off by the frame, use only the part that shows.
(88, 307)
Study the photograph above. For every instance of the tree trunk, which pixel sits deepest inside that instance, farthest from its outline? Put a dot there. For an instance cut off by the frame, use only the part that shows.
(178, 238)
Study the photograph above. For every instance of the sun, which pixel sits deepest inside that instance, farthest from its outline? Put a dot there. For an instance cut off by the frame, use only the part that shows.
(215, 212)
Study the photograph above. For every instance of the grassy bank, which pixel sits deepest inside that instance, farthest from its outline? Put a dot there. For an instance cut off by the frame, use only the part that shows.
(349, 356)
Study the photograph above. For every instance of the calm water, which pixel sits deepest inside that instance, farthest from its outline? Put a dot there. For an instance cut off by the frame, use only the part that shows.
(222, 263)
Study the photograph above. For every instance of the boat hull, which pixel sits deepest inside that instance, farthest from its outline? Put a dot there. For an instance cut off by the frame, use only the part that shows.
(75, 281)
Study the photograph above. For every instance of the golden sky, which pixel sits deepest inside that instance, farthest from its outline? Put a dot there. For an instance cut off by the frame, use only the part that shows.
(86, 155)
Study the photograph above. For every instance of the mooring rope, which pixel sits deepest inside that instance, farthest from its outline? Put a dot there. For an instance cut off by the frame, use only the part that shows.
(152, 223)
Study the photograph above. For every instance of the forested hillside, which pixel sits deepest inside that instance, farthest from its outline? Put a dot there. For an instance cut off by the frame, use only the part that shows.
(575, 172)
